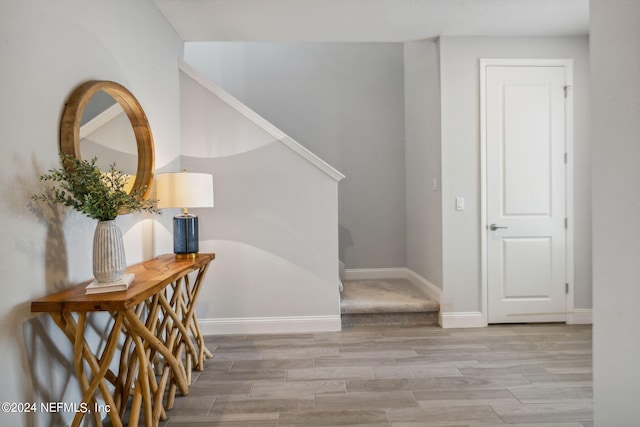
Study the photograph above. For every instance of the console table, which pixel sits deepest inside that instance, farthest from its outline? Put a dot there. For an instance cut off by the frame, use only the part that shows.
(153, 326)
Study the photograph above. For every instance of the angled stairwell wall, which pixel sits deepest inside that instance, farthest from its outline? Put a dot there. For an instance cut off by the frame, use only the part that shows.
(274, 227)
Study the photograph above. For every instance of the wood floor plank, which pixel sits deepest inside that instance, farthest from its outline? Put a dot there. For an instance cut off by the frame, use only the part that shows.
(439, 416)
(365, 400)
(546, 393)
(416, 371)
(331, 373)
(545, 412)
(391, 376)
(335, 418)
(261, 365)
(354, 361)
(436, 398)
(297, 388)
(257, 405)
(223, 420)
(390, 384)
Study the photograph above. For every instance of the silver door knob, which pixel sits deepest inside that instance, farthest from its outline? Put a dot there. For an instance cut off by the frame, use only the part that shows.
(495, 227)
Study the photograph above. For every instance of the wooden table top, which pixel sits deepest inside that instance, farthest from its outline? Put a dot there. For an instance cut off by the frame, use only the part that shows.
(150, 277)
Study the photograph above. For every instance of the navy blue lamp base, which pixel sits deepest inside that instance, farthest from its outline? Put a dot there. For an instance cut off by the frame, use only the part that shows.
(185, 236)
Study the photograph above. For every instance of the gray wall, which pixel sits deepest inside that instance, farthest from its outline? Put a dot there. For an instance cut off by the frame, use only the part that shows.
(344, 102)
(459, 61)
(615, 127)
(274, 226)
(392, 118)
(424, 176)
(47, 49)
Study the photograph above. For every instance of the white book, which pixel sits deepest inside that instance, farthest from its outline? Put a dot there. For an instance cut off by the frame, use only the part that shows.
(96, 287)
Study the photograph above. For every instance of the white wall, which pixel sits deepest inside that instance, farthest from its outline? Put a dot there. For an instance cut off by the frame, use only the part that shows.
(344, 102)
(459, 73)
(422, 150)
(615, 126)
(47, 49)
(274, 226)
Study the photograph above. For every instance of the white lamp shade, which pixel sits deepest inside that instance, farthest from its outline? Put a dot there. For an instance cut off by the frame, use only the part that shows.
(184, 190)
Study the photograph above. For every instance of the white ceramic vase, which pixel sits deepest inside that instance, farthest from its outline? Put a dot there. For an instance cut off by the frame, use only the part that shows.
(109, 261)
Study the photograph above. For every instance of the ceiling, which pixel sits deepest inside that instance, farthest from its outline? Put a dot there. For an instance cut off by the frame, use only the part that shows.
(371, 20)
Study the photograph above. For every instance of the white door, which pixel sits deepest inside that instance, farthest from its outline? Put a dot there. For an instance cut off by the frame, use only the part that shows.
(525, 193)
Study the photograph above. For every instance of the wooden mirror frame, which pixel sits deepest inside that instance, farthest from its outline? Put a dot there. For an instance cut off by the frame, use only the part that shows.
(72, 117)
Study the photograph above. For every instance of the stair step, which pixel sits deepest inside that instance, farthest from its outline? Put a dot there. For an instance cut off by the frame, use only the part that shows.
(389, 319)
(398, 302)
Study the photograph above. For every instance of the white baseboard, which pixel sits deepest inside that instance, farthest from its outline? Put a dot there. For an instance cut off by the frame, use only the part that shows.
(476, 319)
(580, 316)
(434, 292)
(473, 319)
(375, 273)
(270, 325)
(304, 324)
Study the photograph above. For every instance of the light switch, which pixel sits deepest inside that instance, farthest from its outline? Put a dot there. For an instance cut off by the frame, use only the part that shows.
(459, 203)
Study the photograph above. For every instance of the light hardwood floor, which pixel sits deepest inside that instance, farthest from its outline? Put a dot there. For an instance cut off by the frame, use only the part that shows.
(525, 375)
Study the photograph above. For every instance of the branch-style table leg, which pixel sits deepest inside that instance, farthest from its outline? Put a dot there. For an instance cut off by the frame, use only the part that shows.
(127, 369)
(82, 352)
(135, 326)
(142, 393)
(179, 320)
(189, 321)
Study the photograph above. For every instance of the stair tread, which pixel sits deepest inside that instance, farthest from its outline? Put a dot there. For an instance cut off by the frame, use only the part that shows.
(385, 296)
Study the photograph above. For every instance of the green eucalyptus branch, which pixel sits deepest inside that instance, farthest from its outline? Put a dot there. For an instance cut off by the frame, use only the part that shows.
(81, 185)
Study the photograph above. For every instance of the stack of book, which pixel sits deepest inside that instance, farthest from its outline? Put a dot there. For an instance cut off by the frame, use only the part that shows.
(96, 287)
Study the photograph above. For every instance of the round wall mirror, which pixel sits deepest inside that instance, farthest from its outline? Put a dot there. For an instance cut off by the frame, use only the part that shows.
(107, 135)
(103, 119)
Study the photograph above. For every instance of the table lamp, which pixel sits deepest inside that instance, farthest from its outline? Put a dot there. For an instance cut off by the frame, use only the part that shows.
(185, 190)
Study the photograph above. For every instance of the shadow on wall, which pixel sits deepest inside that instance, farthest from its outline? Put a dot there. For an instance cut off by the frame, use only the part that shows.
(69, 234)
(52, 217)
(272, 199)
(50, 365)
(345, 240)
(47, 354)
(50, 361)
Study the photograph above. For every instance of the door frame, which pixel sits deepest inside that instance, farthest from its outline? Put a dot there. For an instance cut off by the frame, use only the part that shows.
(569, 262)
